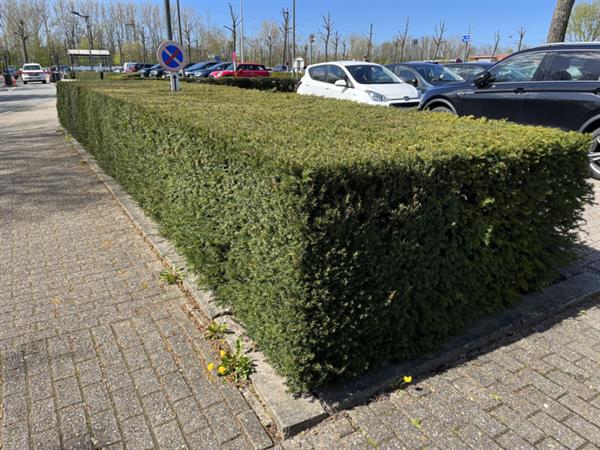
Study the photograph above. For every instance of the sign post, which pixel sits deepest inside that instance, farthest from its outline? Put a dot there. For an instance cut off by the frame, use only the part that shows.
(466, 39)
(170, 56)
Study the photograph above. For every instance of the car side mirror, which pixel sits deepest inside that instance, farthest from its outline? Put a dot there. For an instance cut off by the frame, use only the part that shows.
(482, 79)
(341, 83)
(414, 82)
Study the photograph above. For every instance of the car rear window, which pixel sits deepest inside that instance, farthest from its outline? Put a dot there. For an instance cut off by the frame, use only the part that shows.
(574, 66)
(32, 67)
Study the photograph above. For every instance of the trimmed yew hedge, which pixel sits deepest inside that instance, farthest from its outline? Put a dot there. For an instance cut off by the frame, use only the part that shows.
(260, 83)
(343, 235)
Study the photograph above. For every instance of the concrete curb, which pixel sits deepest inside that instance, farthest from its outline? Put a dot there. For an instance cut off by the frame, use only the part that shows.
(294, 414)
(291, 414)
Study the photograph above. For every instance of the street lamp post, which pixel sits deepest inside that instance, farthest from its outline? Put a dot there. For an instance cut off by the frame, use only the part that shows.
(90, 37)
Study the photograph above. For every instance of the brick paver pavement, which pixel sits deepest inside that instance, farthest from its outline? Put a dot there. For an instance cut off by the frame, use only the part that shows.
(95, 351)
(537, 390)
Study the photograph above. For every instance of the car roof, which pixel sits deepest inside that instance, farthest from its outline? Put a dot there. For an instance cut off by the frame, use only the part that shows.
(348, 63)
(570, 45)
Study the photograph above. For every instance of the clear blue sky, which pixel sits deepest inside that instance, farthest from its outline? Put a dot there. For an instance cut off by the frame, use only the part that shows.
(388, 16)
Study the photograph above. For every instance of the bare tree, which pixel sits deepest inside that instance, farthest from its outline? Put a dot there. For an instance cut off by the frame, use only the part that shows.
(326, 33)
(496, 43)
(521, 37)
(560, 21)
(401, 41)
(188, 29)
(285, 31)
(235, 21)
(337, 38)
(23, 35)
(439, 37)
(369, 44)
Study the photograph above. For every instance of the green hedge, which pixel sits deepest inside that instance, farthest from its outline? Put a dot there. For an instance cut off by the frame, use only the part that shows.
(260, 83)
(343, 235)
(95, 76)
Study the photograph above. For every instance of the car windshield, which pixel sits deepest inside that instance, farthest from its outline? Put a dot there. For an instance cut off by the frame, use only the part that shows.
(467, 71)
(201, 65)
(372, 74)
(32, 67)
(222, 66)
(435, 73)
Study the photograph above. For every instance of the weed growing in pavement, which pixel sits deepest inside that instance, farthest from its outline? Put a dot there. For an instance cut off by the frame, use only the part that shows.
(417, 423)
(172, 276)
(236, 366)
(215, 330)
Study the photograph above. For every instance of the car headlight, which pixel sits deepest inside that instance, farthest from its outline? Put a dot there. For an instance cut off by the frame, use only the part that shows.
(377, 97)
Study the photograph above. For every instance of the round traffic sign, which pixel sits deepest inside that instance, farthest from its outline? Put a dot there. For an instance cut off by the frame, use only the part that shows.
(170, 56)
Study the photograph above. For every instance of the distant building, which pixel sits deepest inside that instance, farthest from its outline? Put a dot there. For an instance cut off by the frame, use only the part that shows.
(80, 57)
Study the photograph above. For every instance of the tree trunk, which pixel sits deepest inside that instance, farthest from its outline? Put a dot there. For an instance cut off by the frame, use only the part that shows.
(560, 20)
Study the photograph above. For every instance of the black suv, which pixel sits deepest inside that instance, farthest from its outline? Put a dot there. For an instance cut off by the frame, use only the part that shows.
(556, 85)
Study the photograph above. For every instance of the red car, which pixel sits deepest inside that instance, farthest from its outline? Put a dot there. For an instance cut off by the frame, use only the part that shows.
(244, 70)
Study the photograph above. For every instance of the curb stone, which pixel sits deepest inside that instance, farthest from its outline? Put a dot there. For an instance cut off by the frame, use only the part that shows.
(291, 414)
(295, 414)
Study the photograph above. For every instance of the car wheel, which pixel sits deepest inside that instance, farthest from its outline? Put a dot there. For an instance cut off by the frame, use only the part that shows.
(595, 154)
(24, 82)
(442, 109)
(44, 82)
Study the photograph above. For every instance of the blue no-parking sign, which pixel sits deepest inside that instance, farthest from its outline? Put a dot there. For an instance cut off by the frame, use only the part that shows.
(170, 56)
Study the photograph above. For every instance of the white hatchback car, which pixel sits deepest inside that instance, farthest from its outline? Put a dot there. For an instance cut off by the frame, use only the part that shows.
(358, 81)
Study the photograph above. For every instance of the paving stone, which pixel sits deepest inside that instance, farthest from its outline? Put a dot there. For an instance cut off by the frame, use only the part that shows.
(176, 387)
(43, 416)
(104, 428)
(205, 438)
(169, 437)
(557, 430)
(146, 382)
(46, 440)
(584, 409)
(584, 428)
(158, 409)
(73, 424)
(518, 424)
(136, 433)
(89, 371)
(189, 415)
(96, 398)
(220, 422)
(126, 402)
(67, 390)
(258, 437)
(477, 438)
(511, 440)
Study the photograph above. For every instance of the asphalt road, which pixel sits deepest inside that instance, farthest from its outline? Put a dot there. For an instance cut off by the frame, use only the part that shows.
(28, 105)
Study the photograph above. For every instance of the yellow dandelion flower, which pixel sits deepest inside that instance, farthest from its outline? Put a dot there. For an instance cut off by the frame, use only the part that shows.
(407, 379)
(223, 353)
(211, 367)
(221, 370)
